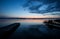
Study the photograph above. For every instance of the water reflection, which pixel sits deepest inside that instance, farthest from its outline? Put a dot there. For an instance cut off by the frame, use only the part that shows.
(21, 20)
(4, 22)
(33, 29)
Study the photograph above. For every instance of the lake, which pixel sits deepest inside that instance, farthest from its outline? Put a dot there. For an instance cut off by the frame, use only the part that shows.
(30, 27)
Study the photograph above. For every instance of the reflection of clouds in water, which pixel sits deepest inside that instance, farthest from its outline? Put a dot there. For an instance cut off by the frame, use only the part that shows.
(39, 30)
(35, 30)
(39, 27)
(23, 20)
(43, 29)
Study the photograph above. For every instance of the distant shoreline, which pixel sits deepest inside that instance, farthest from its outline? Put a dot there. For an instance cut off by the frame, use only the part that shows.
(29, 18)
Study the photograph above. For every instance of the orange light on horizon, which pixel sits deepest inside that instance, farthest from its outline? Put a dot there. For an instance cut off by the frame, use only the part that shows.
(40, 17)
(31, 20)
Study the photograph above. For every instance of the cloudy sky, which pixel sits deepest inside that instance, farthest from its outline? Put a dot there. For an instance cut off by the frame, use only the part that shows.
(30, 8)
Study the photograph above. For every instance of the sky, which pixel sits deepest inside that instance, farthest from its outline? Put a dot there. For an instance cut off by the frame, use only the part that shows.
(23, 8)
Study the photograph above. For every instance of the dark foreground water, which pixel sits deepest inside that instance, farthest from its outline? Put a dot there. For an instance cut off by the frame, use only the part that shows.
(31, 29)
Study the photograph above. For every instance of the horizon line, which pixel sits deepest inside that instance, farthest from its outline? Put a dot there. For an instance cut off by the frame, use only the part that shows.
(28, 18)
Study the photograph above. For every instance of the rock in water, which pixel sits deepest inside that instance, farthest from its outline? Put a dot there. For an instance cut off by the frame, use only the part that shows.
(6, 31)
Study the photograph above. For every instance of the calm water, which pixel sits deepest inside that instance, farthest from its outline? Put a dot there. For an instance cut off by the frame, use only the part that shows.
(33, 27)
(4, 22)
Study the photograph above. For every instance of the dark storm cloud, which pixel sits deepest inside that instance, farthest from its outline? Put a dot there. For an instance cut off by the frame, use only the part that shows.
(43, 6)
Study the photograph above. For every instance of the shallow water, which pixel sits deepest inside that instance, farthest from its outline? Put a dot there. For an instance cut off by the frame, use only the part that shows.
(34, 27)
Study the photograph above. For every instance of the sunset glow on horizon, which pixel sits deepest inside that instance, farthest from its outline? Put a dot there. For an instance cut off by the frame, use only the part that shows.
(15, 9)
(39, 17)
